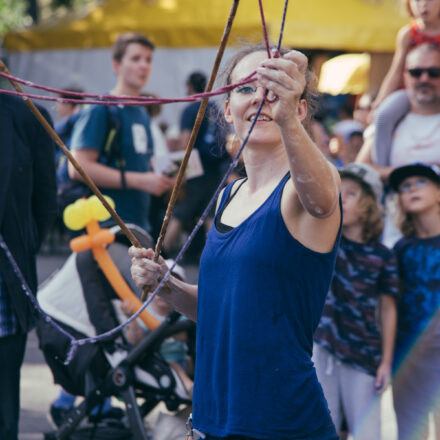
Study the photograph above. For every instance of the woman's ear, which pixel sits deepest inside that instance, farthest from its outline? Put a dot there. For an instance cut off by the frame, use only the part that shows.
(302, 109)
(227, 113)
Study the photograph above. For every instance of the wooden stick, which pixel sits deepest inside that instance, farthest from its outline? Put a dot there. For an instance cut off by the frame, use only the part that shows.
(74, 162)
(194, 133)
(195, 130)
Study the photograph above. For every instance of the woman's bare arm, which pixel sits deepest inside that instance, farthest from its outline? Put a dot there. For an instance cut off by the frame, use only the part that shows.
(393, 78)
(145, 272)
(316, 180)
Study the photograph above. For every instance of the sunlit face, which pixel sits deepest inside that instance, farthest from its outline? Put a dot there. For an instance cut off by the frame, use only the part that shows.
(427, 10)
(418, 194)
(423, 89)
(240, 108)
(135, 66)
(351, 194)
(242, 105)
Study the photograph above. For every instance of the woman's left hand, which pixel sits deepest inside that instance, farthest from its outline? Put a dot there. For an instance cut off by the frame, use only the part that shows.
(285, 77)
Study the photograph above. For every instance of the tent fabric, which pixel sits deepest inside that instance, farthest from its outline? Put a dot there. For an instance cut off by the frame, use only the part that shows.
(345, 74)
(351, 25)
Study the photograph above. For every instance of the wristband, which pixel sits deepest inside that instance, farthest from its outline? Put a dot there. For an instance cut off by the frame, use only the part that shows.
(123, 181)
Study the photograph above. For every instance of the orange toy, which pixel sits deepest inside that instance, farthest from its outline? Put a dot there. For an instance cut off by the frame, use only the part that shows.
(86, 213)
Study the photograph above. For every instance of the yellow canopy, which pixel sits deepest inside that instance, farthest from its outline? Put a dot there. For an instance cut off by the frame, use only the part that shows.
(352, 25)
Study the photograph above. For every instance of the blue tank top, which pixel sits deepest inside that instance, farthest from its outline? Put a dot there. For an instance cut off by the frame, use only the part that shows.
(260, 298)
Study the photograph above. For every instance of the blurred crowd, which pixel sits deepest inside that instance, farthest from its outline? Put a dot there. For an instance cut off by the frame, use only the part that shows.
(381, 320)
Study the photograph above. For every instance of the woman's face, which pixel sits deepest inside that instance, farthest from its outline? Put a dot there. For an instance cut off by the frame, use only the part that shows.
(418, 194)
(351, 193)
(427, 10)
(240, 108)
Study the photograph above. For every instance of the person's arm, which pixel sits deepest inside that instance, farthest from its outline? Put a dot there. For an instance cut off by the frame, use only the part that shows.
(393, 79)
(88, 137)
(108, 177)
(309, 204)
(364, 156)
(133, 331)
(180, 295)
(388, 320)
(316, 180)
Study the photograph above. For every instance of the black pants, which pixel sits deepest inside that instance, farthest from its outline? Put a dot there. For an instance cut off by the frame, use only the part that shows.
(11, 357)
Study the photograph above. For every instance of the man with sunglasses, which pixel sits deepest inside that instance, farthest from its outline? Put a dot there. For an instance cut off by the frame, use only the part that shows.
(416, 126)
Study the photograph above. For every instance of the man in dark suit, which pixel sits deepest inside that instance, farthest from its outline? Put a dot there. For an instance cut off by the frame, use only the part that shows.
(27, 209)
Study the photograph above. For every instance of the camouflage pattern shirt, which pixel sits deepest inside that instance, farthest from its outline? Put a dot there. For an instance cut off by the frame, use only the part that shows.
(349, 326)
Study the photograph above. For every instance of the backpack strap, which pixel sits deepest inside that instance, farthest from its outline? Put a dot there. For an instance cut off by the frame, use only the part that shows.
(112, 148)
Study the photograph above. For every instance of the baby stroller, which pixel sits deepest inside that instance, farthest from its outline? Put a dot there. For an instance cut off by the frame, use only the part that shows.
(80, 299)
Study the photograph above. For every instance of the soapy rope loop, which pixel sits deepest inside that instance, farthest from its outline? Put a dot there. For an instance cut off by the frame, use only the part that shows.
(76, 343)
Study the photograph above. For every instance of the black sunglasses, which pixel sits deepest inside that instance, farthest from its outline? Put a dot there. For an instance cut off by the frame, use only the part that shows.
(417, 72)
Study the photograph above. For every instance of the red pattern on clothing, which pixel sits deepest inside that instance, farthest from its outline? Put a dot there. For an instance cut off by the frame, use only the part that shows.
(418, 37)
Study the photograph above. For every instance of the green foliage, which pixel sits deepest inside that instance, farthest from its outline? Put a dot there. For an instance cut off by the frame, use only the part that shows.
(12, 14)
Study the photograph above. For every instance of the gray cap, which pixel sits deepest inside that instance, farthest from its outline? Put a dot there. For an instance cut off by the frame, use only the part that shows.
(366, 176)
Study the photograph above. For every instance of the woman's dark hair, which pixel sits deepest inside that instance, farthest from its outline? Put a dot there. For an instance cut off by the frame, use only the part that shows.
(310, 93)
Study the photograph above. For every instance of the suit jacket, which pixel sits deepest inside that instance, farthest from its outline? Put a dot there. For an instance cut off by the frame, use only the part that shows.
(27, 197)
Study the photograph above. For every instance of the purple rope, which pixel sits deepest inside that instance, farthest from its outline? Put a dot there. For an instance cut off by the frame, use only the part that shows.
(283, 23)
(117, 100)
(28, 292)
(263, 22)
(74, 344)
(179, 256)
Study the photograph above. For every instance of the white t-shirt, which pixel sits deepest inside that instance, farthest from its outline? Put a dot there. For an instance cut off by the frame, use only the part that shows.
(416, 139)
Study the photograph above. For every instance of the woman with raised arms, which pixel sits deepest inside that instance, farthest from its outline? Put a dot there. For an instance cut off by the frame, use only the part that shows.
(265, 269)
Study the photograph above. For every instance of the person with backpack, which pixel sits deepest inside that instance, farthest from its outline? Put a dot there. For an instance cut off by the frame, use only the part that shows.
(122, 170)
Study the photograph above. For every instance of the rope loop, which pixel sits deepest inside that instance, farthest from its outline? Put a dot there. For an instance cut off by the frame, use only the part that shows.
(124, 100)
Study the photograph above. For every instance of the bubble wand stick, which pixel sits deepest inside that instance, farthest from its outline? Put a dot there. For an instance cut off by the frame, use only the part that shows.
(195, 130)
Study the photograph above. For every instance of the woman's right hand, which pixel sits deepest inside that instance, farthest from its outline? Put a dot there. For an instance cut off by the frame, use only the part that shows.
(144, 271)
